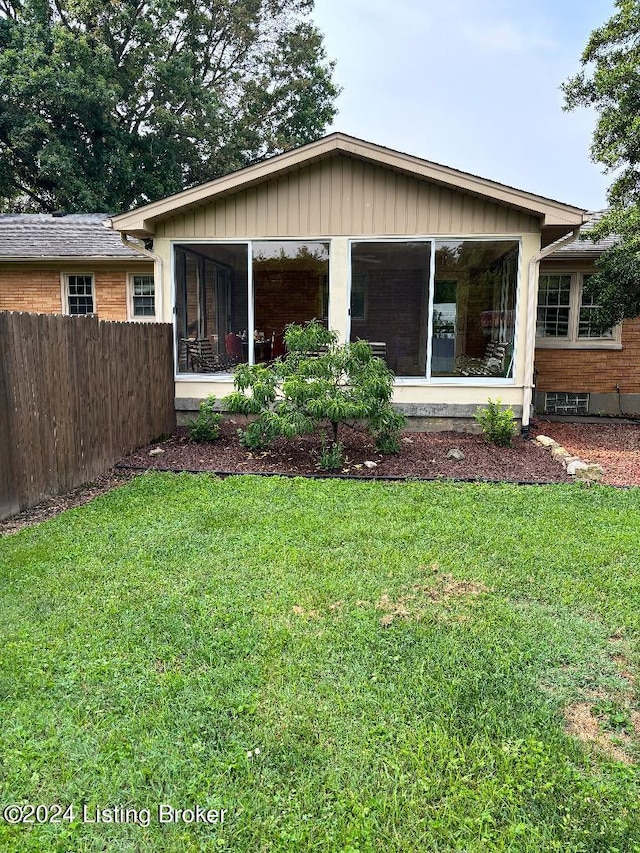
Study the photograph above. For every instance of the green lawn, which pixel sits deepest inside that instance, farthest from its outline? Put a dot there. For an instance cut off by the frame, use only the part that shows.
(293, 651)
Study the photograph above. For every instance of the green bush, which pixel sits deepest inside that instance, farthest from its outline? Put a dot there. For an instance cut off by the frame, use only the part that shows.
(497, 423)
(330, 455)
(206, 427)
(318, 382)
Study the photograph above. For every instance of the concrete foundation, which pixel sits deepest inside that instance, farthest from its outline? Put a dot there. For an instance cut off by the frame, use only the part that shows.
(420, 417)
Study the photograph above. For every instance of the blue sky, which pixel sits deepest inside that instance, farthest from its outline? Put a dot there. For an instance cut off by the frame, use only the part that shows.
(473, 84)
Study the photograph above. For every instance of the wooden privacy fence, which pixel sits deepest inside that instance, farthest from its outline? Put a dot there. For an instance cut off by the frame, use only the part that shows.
(76, 394)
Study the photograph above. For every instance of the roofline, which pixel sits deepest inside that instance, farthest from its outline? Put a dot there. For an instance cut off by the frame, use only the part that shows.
(71, 258)
(141, 221)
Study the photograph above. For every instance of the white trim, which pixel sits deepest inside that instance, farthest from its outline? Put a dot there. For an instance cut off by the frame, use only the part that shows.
(64, 291)
(131, 317)
(573, 341)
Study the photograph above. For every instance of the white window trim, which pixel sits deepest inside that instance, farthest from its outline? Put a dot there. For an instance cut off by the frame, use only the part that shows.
(130, 315)
(572, 341)
(64, 292)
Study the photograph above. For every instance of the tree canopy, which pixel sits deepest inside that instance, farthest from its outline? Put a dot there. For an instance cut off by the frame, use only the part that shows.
(610, 82)
(108, 105)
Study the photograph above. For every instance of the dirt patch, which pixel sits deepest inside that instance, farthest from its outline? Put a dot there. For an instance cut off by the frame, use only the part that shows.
(77, 497)
(306, 614)
(581, 723)
(411, 606)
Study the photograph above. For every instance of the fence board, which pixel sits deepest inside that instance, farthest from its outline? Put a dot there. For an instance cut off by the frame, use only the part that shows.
(76, 394)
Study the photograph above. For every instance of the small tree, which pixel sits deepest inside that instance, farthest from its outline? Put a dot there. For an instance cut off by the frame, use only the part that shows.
(317, 382)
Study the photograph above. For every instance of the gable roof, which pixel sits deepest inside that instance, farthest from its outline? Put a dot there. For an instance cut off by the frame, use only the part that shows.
(141, 222)
(43, 236)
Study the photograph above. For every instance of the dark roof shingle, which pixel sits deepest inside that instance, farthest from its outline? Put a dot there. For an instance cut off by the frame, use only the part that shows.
(586, 248)
(39, 236)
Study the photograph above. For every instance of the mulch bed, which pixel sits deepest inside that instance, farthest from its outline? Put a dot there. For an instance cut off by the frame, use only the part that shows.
(615, 446)
(423, 455)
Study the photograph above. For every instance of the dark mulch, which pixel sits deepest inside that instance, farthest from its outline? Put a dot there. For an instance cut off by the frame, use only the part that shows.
(421, 455)
(615, 446)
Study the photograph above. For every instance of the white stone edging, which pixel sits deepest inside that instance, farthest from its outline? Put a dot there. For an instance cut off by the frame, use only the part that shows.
(574, 466)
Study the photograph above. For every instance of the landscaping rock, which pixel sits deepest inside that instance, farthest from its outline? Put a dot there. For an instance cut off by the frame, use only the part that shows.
(575, 466)
(369, 464)
(545, 441)
(559, 452)
(567, 460)
(591, 472)
(456, 454)
(157, 451)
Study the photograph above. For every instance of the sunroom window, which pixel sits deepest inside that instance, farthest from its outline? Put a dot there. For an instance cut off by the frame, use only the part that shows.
(473, 322)
(219, 326)
(472, 300)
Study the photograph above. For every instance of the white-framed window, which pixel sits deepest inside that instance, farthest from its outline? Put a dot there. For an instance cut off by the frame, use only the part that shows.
(142, 296)
(564, 315)
(79, 293)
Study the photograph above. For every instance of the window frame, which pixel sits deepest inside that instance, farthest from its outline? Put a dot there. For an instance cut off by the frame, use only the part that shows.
(131, 315)
(178, 243)
(64, 286)
(572, 341)
(428, 379)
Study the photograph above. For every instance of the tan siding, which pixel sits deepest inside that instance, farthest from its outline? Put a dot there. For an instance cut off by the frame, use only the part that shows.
(342, 196)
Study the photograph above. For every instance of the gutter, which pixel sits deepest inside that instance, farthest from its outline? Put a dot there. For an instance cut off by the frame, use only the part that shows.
(530, 341)
(157, 261)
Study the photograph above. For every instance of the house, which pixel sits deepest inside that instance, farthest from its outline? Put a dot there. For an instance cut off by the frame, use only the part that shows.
(436, 266)
(580, 371)
(73, 264)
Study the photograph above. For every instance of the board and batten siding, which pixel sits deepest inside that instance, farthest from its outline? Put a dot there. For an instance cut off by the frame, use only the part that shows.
(344, 196)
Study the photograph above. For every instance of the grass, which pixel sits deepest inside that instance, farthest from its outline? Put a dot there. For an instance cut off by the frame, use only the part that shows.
(341, 666)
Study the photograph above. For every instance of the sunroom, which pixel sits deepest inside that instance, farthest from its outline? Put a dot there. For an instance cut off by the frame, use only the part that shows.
(433, 309)
(435, 267)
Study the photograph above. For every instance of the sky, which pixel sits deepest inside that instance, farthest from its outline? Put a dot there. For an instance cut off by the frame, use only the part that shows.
(471, 84)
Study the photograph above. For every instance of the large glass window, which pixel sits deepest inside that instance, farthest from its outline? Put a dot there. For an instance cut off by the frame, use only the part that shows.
(212, 307)
(214, 329)
(390, 301)
(473, 321)
(290, 285)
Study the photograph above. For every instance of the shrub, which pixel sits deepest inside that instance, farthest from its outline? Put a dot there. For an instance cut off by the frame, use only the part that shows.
(206, 426)
(317, 382)
(497, 423)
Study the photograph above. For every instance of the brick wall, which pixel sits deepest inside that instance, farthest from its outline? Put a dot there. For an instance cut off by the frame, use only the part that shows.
(593, 371)
(111, 295)
(30, 290)
(38, 291)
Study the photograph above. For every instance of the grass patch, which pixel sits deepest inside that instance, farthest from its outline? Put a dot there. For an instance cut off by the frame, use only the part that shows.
(341, 666)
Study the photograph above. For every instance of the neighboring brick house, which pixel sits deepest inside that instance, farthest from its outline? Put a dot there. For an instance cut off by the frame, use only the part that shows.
(72, 264)
(579, 372)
